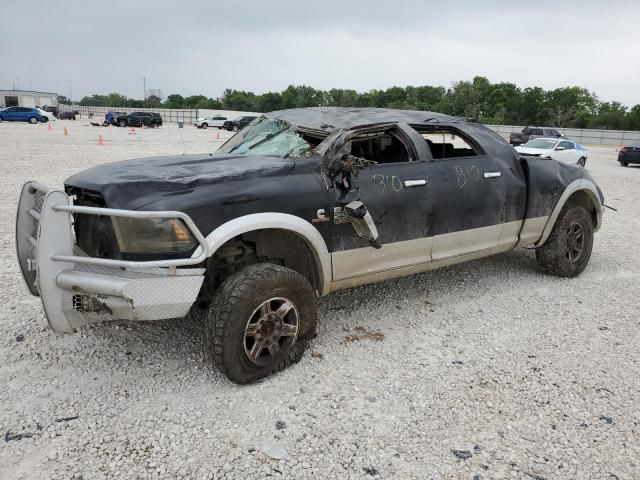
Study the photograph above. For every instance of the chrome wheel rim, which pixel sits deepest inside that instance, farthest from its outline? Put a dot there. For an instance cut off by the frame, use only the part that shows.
(271, 329)
(575, 242)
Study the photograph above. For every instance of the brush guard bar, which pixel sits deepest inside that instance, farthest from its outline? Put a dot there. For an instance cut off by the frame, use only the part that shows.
(45, 247)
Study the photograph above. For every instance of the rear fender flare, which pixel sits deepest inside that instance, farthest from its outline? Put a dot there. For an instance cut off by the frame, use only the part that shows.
(281, 221)
(576, 186)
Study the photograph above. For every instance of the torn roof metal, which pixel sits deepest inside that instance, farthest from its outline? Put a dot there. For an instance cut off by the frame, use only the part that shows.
(334, 118)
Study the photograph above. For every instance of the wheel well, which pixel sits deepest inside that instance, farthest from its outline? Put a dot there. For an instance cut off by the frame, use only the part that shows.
(583, 199)
(277, 246)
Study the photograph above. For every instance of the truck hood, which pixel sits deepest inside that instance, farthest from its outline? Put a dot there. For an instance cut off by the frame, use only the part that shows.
(132, 184)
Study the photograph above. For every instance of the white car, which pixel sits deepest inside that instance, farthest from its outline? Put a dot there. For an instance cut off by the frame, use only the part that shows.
(210, 121)
(49, 115)
(556, 148)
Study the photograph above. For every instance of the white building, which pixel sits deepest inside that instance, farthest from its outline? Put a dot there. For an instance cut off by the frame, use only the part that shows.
(27, 98)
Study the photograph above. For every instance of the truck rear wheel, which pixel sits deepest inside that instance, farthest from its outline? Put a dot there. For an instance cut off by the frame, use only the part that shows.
(567, 251)
(260, 322)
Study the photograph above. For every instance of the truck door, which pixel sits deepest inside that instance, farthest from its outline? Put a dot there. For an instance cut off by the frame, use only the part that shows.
(477, 198)
(385, 168)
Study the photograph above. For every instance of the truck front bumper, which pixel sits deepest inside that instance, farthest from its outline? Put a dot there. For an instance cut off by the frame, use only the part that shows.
(77, 289)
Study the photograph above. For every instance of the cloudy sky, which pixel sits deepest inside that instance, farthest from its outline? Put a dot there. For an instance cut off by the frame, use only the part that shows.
(205, 46)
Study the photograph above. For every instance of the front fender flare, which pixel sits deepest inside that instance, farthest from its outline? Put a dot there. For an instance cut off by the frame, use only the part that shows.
(282, 221)
(577, 185)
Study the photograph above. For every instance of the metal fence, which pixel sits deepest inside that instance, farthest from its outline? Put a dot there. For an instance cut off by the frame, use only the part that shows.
(580, 135)
(186, 115)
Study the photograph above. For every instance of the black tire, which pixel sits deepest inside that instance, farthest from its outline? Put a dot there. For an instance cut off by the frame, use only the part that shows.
(237, 308)
(122, 123)
(623, 163)
(567, 251)
(235, 128)
(205, 125)
(33, 120)
(582, 161)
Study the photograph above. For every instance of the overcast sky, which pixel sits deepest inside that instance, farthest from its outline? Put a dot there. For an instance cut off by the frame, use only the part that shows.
(205, 46)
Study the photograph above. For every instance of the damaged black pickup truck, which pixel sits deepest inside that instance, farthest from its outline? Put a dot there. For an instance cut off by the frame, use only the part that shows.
(300, 203)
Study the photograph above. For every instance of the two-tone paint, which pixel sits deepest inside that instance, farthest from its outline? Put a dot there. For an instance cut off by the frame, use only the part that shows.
(429, 212)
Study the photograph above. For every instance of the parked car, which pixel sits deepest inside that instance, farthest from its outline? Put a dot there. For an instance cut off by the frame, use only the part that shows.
(301, 203)
(139, 119)
(47, 116)
(210, 121)
(113, 118)
(22, 114)
(50, 109)
(561, 150)
(532, 132)
(630, 153)
(238, 123)
(67, 115)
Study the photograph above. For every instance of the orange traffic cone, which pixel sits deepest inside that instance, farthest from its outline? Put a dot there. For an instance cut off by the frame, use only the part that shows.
(132, 131)
(49, 126)
(100, 140)
(65, 131)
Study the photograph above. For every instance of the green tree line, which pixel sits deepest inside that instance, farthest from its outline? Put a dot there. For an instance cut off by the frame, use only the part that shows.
(492, 103)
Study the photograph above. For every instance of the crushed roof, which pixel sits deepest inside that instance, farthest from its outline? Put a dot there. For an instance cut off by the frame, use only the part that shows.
(333, 118)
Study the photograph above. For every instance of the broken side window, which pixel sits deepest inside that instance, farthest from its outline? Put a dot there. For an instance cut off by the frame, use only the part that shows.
(380, 147)
(448, 143)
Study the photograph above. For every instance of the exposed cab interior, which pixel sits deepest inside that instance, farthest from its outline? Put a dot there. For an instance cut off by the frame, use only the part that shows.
(448, 143)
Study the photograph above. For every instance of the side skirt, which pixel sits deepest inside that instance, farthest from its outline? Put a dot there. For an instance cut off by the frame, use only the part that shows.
(367, 265)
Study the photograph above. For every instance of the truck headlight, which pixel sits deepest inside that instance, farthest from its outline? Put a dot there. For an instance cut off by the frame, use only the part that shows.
(152, 235)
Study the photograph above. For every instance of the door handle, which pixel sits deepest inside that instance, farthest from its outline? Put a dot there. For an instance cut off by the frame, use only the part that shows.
(414, 183)
(492, 174)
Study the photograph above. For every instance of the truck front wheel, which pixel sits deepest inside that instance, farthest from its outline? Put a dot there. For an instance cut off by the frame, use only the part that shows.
(568, 248)
(260, 322)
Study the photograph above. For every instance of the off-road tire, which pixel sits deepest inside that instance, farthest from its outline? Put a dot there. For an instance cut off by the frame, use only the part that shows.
(236, 299)
(552, 257)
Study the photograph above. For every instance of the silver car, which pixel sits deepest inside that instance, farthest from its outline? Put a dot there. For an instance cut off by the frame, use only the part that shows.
(210, 121)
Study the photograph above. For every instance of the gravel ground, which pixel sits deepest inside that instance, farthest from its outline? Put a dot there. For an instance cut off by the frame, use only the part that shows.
(484, 370)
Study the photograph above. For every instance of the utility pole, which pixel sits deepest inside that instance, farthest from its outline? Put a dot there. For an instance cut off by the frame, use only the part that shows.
(144, 87)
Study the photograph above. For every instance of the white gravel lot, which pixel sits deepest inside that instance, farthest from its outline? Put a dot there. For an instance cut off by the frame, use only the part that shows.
(533, 377)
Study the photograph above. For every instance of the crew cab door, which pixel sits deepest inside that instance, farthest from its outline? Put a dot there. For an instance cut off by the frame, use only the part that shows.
(477, 196)
(382, 170)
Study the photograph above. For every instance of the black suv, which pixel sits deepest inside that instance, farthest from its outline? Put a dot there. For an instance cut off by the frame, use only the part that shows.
(139, 119)
(239, 123)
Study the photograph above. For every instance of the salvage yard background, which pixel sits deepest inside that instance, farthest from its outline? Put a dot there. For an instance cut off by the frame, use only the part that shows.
(483, 370)
(587, 136)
